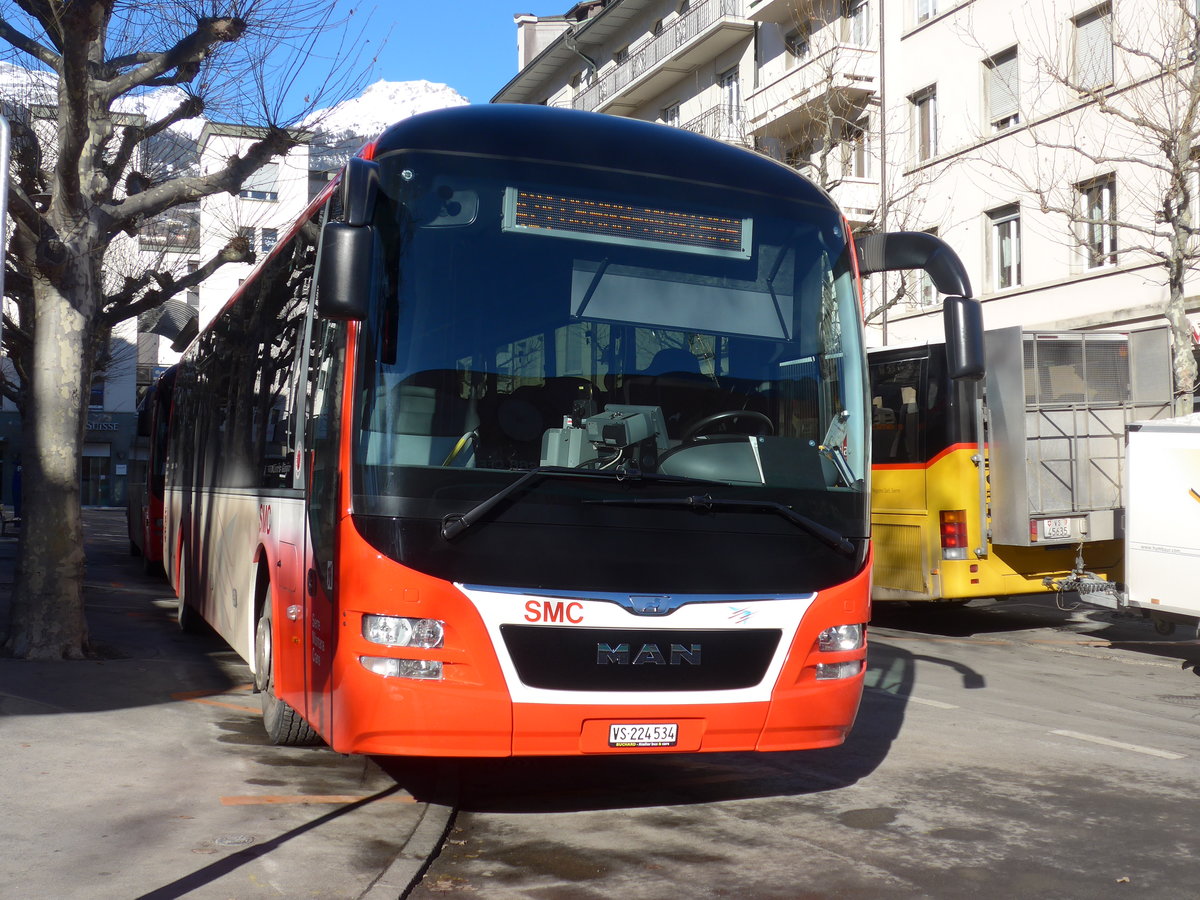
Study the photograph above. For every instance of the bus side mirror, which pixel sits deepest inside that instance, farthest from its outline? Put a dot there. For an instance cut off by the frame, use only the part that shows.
(345, 271)
(360, 188)
(963, 320)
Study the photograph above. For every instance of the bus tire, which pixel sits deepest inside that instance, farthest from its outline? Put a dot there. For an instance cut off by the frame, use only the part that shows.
(185, 614)
(284, 726)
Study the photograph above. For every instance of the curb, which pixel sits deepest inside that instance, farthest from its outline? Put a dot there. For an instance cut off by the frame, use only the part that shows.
(407, 869)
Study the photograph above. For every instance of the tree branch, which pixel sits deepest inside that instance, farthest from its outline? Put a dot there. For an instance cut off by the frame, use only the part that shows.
(184, 58)
(28, 45)
(161, 197)
(132, 136)
(125, 304)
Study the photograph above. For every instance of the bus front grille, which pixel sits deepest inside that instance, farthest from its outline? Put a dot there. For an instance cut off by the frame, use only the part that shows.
(631, 659)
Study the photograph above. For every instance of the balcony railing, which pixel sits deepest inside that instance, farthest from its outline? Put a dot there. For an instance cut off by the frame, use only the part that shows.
(655, 50)
(846, 70)
(724, 122)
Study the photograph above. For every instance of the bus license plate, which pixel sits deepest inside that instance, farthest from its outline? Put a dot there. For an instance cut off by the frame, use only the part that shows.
(657, 735)
(1056, 529)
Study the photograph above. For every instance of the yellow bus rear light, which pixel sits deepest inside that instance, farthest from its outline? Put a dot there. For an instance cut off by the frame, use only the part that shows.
(954, 533)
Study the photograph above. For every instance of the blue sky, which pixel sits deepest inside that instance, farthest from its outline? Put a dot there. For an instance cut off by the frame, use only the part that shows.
(470, 45)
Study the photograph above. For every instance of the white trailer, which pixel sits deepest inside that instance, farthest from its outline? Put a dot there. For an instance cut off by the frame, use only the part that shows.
(1162, 520)
(1162, 526)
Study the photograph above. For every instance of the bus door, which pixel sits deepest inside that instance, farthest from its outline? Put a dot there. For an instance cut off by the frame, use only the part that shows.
(326, 373)
(902, 398)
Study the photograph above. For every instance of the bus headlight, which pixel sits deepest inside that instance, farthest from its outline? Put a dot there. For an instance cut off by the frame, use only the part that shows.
(840, 637)
(402, 668)
(398, 631)
(832, 671)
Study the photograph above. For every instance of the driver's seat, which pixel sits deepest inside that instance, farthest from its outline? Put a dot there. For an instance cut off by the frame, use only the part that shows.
(673, 382)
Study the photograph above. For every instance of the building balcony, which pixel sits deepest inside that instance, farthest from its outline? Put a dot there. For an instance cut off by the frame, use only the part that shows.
(841, 78)
(725, 123)
(708, 29)
(857, 198)
(778, 11)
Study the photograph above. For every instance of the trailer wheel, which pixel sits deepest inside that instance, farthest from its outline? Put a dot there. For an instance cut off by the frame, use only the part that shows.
(1163, 626)
(283, 724)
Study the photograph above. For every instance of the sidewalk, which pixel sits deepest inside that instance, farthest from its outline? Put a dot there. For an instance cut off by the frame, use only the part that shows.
(147, 774)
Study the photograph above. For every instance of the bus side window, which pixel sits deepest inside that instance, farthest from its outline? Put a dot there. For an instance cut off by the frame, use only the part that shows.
(326, 372)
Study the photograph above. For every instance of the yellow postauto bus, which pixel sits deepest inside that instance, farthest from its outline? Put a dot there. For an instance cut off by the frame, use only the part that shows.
(1004, 487)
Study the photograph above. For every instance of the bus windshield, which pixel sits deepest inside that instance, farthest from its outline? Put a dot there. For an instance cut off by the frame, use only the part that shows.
(549, 316)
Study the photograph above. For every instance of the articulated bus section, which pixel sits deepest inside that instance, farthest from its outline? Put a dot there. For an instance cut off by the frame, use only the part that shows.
(1000, 489)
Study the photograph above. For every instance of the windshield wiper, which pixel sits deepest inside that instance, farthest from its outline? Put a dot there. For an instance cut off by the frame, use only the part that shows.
(456, 523)
(708, 503)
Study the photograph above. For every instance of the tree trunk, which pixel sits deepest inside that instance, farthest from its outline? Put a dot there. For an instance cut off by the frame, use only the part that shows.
(47, 616)
(1182, 358)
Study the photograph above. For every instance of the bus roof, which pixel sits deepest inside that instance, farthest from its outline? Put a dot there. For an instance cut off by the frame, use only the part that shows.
(594, 139)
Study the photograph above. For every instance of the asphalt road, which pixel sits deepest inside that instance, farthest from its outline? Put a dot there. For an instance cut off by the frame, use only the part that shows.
(1001, 751)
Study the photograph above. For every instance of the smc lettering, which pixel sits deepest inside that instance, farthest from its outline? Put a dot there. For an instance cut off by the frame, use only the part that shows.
(553, 611)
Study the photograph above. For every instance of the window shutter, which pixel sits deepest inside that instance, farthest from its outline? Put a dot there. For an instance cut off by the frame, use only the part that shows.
(1002, 86)
(1093, 50)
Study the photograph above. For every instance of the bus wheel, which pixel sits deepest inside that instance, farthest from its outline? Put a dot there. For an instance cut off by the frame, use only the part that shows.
(284, 725)
(189, 620)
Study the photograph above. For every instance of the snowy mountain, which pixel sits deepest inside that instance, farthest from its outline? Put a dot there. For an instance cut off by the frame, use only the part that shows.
(382, 104)
(342, 129)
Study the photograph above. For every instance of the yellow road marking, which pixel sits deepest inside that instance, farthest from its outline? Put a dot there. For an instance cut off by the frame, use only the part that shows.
(203, 697)
(283, 799)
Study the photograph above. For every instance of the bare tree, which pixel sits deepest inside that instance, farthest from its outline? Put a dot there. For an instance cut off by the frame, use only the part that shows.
(80, 182)
(1114, 133)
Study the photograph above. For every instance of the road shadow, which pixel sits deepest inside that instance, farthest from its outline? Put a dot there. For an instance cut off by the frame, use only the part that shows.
(975, 618)
(140, 657)
(575, 784)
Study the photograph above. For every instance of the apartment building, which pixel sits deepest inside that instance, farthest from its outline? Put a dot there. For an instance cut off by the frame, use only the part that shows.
(981, 120)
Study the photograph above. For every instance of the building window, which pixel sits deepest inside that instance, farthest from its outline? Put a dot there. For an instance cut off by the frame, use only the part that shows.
(262, 185)
(1098, 210)
(797, 44)
(96, 398)
(268, 238)
(924, 107)
(1002, 89)
(858, 17)
(1094, 49)
(1005, 249)
(620, 57)
(926, 10)
(670, 115)
(856, 148)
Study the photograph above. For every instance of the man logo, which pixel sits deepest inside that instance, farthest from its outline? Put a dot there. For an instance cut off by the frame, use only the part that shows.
(648, 655)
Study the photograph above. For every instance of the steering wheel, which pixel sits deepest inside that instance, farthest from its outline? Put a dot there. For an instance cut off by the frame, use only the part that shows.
(766, 426)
